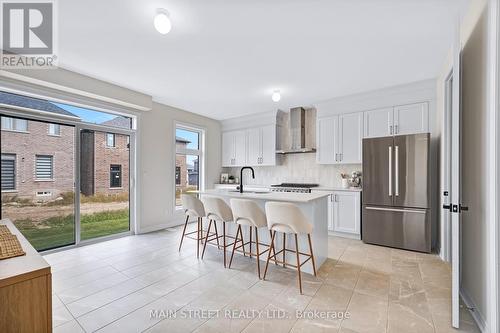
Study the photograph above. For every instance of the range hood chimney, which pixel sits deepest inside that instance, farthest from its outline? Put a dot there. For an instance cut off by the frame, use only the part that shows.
(297, 131)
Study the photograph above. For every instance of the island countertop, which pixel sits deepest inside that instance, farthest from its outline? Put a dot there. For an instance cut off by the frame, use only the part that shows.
(267, 196)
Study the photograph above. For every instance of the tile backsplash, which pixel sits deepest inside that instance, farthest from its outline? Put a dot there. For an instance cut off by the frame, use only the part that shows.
(297, 168)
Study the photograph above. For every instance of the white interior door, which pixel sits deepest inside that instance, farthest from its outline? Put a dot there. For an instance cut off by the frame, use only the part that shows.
(455, 181)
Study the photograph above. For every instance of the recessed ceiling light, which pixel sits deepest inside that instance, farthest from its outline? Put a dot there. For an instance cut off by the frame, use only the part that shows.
(276, 96)
(162, 22)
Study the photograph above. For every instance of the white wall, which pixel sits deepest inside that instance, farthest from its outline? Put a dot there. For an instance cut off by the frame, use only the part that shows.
(156, 157)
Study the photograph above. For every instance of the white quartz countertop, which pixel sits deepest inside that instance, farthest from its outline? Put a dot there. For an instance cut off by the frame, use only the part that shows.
(268, 196)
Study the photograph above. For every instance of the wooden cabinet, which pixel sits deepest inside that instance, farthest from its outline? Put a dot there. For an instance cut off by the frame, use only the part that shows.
(411, 119)
(234, 148)
(398, 120)
(25, 290)
(261, 148)
(339, 139)
(344, 213)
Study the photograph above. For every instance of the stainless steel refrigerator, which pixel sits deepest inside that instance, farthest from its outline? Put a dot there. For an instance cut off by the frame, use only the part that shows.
(396, 192)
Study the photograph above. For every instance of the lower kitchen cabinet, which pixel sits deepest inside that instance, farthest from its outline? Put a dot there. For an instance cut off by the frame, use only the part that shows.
(344, 213)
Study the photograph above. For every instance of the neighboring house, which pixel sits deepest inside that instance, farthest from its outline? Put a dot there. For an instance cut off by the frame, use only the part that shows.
(37, 158)
(193, 171)
(180, 165)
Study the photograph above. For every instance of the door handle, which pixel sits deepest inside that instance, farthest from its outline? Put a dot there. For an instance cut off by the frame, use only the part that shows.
(396, 129)
(448, 207)
(396, 165)
(390, 129)
(399, 210)
(336, 157)
(390, 171)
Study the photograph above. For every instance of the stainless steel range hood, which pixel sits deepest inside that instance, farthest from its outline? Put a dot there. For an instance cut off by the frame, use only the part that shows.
(297, 136)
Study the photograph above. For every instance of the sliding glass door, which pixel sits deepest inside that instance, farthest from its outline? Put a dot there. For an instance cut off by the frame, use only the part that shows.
(66, 171)
(37, 180)
(104, 183)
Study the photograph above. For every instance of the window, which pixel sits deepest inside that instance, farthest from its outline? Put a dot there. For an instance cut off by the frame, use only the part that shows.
(44, 168)
(54, 129)
(115, 176)
(188, 146)
(8, 172)
(177, 175)
(14, 124)
(110, 140)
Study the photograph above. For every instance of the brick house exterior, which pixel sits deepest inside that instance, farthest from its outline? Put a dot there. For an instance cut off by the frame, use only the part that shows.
(38, 162)
(181, 173)
(24, 147)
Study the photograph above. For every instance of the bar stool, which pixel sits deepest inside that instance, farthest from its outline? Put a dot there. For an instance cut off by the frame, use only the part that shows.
(287, 218)
(248, 213)
(193, 207)
(217, 211)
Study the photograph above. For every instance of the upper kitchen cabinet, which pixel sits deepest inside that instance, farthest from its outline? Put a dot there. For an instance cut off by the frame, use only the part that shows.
(397, 120)
(234, 148)
(411, 119)
(261, 145)
(378, 122)
(327, 140)
(339, 139)
(350, 135)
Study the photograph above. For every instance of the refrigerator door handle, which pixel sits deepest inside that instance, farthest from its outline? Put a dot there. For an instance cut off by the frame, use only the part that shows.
(396, 165)
(399, 210)
(390, 171)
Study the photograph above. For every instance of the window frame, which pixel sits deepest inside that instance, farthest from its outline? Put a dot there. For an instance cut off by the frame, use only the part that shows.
(113, 135)
(11, 157)
(54, 126)
(200, 152)
(37, 179)
(111, 173)
(14, 125)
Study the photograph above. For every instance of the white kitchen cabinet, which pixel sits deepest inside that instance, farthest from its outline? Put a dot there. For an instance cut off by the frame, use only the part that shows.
(350, 137)
(378, 123)
(268, 145)
(327, 148)
(411, 119)
(234, 150)
(397, 120)
(344, 214)
(261, 146)
(339, 139)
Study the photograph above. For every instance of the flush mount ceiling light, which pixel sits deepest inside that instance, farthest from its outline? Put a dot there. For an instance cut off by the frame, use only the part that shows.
(276, 96)
(162, 22)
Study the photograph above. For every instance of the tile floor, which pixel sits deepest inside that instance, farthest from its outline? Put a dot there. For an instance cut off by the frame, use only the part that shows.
(114, 286)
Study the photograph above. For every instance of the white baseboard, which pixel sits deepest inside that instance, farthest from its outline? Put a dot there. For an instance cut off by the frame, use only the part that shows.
(344, 235)
(476, 314)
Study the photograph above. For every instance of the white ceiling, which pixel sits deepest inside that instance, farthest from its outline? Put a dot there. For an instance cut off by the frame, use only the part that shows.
(223, 58)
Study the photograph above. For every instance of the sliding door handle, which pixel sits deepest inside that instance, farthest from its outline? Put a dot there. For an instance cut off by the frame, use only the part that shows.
(448, 207)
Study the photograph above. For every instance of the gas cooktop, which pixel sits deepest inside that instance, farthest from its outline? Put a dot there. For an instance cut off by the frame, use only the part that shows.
(297, 185)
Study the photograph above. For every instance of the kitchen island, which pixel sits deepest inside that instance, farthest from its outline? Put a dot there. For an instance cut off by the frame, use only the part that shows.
(313, 205)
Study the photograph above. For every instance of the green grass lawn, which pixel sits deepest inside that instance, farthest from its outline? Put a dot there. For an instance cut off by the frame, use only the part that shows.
(59, 231)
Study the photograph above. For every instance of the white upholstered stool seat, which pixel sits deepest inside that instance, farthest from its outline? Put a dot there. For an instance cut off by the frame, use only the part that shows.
(217, 211)
(287, 218)
(248, 213)
(193, 207)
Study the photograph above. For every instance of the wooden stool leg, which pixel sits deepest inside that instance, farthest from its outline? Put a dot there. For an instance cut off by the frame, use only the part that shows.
(274, 251)
(312, 254)
(198, 239)
(206, 239)
(242, 242)
(269, 254)
(250, 242)
(216, 235)
(284, 249)
(257, 248)
(234, 245)
(298, 262)
(224, 241)
(183, 231)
